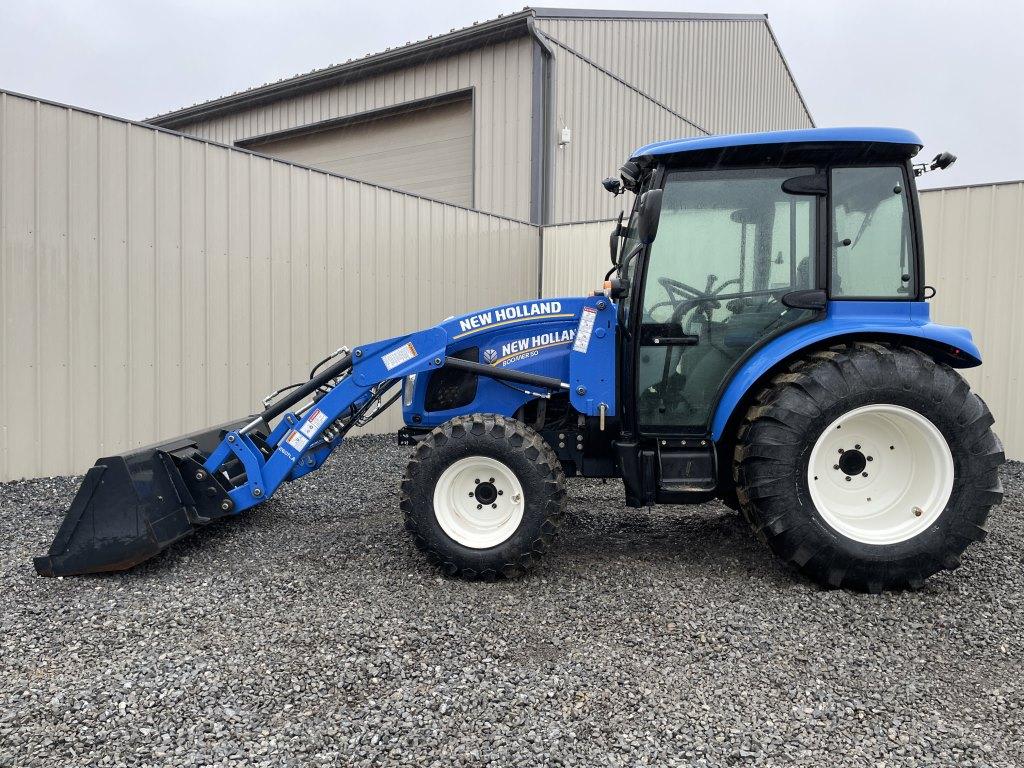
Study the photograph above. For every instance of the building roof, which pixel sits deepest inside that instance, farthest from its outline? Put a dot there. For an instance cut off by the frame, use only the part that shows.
(477, 34)
(800, 136)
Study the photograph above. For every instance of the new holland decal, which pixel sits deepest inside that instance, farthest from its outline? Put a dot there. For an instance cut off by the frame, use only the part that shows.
(537, 310)
(530, 346)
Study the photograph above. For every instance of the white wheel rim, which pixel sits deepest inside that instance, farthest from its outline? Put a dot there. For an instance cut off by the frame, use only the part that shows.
(479, 502)
(901, 489)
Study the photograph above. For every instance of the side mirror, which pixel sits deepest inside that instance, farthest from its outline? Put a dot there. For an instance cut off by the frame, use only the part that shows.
(943, 160)
(648, 215)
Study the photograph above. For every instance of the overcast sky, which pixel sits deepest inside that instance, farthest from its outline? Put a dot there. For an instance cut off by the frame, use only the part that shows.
(952, 71)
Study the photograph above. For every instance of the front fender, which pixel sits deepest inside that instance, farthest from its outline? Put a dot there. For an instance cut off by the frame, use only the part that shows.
(861, 319)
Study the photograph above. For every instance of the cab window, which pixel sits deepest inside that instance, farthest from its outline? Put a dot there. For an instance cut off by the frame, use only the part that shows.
(871, 245)
(731, 244)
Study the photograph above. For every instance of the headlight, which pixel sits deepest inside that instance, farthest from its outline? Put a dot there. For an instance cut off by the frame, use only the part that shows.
(408, 390)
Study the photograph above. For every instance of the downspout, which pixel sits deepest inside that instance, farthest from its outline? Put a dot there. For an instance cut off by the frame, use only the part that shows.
(542, 181)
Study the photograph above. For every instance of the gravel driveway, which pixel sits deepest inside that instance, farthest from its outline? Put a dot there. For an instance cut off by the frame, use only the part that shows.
(310, 632)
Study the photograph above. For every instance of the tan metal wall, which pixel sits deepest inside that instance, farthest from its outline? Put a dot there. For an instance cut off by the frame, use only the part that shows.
(427, 152)
(974, 246)
(608, 121)
(575, 258)
(621, 84)
(726, 75)
(500, 76)
(151, 284)
(974, 253)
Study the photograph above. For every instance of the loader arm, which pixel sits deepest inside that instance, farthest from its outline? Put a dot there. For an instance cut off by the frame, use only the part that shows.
(132, 506)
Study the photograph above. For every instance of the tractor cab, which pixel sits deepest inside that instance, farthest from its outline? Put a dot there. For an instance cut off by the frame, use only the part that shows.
(735, 241)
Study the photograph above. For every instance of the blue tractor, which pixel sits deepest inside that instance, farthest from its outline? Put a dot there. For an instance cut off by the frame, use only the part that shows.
(763, 338)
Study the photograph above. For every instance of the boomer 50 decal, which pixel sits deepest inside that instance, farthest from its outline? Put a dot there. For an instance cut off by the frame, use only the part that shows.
(527, 347)
(537, 310)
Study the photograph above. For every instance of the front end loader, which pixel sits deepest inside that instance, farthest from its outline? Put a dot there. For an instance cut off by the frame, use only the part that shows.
(763, 337)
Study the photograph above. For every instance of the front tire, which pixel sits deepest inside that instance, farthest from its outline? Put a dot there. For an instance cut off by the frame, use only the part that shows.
(483, 497)
(868, 466)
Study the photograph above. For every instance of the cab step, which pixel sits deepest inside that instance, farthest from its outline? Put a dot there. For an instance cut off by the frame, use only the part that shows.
(687, 467)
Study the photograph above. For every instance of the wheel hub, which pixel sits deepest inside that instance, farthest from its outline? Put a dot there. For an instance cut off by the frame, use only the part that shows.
(486, 493)
(880, 474)
(853, 462)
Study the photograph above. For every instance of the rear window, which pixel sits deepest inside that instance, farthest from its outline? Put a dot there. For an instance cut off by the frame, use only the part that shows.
(871, 241)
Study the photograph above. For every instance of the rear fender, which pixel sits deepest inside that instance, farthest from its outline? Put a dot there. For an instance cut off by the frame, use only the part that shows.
(863, 320)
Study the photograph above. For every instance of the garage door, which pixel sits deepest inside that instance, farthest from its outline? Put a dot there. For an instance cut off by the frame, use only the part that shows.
(427, 151)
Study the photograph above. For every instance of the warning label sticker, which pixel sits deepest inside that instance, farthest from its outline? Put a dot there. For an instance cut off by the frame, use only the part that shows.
(295, 440)
(316, 420)
(400, 355)
(585, 329)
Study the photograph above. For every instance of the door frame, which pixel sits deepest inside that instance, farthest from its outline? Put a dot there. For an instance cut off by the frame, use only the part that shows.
(629, 347)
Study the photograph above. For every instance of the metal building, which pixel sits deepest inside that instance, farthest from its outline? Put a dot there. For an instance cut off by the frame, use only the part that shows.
(521, 115)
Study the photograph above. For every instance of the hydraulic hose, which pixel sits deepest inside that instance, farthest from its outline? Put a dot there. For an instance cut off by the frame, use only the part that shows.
(307, 388)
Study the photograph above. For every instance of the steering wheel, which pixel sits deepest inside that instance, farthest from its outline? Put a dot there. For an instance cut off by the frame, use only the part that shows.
(679, 293)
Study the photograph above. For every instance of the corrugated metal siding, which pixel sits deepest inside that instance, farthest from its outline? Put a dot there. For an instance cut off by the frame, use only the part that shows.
(608, 121)
(575, 258)
(501, 76)
(152, 284)
(725, 75)
(427, 152)
(974, 252)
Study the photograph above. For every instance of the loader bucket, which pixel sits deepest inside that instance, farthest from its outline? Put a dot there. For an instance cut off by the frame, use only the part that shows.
(131, 506)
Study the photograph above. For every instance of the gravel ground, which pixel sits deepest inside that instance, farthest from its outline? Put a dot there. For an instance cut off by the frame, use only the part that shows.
(310, 632)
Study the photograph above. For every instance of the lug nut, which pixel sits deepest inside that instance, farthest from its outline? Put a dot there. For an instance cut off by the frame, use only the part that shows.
(918, 511)
(257, 492)
(225, 505)
(870, 459)
(857, 447)
(479, 506)
(200, 475)
(847, 478)
(865, 474)
(501, 493)
(494, 506)
(491, 480)
(835, 466)
(472, 494)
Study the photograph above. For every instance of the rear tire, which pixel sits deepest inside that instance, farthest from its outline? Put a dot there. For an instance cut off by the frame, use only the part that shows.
(483, 497)
(902, 501)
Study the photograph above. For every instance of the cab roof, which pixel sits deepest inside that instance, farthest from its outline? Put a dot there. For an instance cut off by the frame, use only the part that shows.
(802, 136)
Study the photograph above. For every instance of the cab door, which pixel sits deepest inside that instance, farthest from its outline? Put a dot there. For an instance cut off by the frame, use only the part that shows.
(731, 243)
